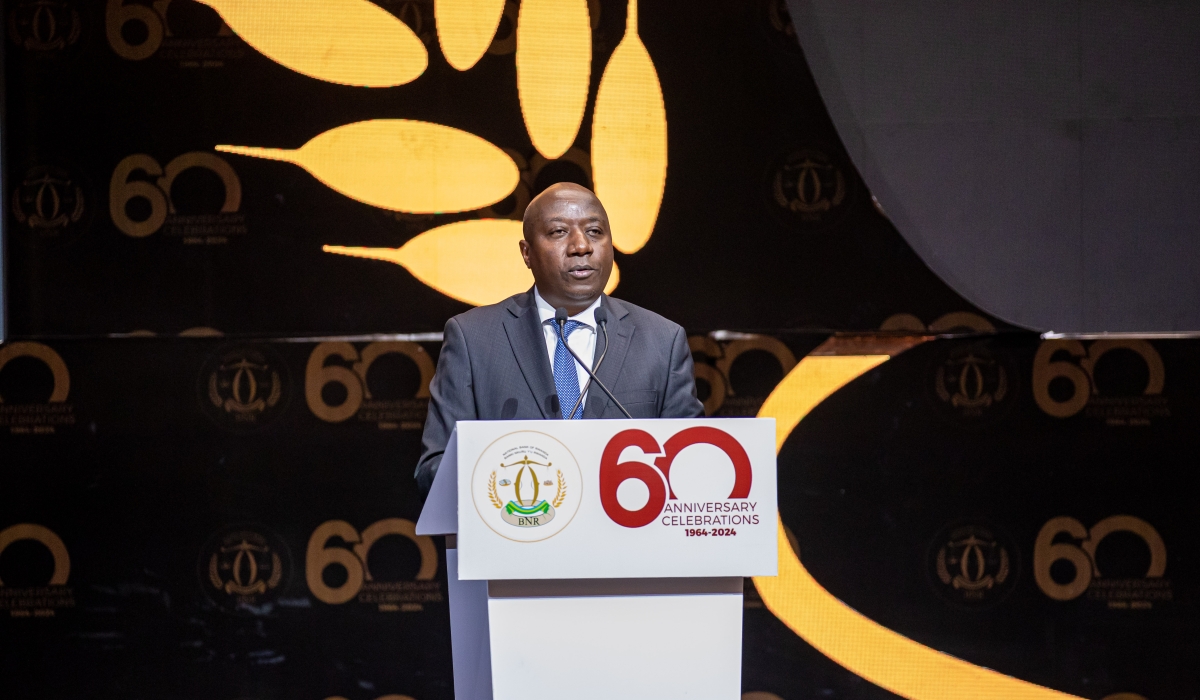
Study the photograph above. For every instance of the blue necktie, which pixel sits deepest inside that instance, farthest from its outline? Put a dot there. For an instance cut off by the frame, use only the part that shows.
(566, 379)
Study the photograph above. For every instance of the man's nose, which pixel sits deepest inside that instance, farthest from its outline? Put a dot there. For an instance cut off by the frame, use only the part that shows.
(579, 243)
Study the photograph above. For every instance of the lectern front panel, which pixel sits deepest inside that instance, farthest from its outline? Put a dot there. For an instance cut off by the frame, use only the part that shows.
(616, 499)
(617, 638)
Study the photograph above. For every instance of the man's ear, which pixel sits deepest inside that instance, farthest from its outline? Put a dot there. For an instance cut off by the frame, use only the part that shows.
(524, 252)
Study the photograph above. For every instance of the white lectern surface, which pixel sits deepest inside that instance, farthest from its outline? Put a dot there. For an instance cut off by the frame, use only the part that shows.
(616, 498)
(609, 555)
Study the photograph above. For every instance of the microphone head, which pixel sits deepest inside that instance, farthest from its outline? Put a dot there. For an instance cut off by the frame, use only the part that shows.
(560, 315)
(601, 316)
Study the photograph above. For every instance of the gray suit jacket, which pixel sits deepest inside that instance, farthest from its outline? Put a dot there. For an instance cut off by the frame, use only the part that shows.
(494, 366)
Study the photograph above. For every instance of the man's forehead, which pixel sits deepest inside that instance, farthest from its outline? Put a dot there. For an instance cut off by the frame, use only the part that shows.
(570, 198)
(574, 207)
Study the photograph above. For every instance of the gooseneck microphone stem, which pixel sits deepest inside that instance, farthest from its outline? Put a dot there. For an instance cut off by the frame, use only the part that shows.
(588, 385)
(560, 319)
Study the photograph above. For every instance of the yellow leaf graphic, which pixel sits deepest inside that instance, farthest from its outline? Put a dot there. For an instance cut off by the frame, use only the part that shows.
(629, 141)
(465, 28)
(554, 63)
(476, 261)
(351, 42)
(403, 165)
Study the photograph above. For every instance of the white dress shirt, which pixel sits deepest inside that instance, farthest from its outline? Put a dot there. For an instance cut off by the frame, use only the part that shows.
(582, 341)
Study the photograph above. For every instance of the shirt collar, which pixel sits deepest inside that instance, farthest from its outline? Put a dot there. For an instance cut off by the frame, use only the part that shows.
(587, 317)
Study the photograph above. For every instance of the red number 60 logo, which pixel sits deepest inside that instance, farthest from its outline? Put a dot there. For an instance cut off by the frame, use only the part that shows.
(658, 478)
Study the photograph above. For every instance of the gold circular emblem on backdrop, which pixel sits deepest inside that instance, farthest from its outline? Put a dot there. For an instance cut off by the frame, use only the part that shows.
(244, 388)
(50, 203)
(809, 187)
(972, 384)
(44, 26)
(972, 565)
(244, 568)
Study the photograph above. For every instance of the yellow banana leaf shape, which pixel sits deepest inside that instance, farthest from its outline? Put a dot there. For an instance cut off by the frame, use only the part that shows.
(629, 141)
(350, 42)
(475, 261)
(465, 29)
(554, 63)
(403, 165)
(861, 645)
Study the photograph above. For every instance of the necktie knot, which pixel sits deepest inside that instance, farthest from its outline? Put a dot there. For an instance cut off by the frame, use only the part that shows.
(571, 326)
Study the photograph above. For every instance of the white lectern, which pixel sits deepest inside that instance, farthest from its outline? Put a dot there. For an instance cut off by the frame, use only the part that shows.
(603, 558)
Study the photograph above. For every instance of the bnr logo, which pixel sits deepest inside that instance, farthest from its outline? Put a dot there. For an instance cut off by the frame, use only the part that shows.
(657, 478)
(527, 486)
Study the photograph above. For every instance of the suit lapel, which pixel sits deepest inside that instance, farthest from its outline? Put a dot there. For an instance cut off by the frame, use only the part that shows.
(620, 333)
(528, 342)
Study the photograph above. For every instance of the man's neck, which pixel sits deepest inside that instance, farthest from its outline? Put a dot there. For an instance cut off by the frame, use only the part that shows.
(573, 308)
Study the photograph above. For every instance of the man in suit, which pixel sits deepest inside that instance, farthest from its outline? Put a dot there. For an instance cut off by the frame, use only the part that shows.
(506, 361)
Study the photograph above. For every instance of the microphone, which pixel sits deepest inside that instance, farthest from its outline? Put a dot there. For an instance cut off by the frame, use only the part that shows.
(560, 318)
(602, 321)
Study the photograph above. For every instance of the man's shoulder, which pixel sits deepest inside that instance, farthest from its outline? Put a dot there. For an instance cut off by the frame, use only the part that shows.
(644, 318)
(492, 315)
(486, 318)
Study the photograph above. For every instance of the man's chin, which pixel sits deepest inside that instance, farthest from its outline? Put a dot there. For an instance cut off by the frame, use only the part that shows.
(587, 288)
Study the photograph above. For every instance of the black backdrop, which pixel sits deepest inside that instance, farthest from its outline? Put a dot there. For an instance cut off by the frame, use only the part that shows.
(206, 493)
(149, 484)
(741, 109)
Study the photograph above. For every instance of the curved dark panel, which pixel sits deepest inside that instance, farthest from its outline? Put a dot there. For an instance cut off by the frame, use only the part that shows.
(1041, 157)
